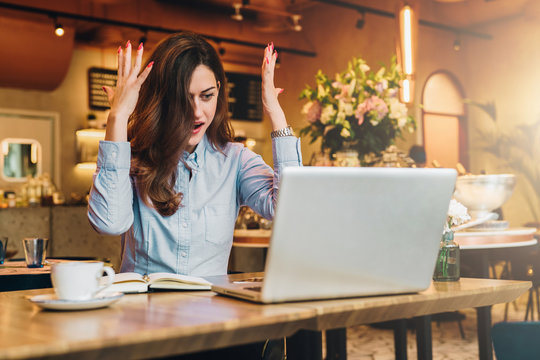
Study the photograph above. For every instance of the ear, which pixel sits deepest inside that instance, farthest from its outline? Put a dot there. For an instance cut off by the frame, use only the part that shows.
(218, 85)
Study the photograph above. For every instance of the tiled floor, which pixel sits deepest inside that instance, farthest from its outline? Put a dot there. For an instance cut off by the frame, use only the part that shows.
(368, 343)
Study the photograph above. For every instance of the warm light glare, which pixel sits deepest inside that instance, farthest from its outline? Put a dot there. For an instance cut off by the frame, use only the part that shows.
(90, 133)
(5, 148)
(406, 32)
(59, 30)
(406, 91)
(87, 166)
(33, 153)
(250, 143)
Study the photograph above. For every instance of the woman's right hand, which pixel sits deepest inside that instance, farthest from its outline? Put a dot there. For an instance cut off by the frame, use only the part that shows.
(124, 98)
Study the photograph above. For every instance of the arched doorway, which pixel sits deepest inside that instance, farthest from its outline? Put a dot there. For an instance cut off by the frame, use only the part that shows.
(444, 120)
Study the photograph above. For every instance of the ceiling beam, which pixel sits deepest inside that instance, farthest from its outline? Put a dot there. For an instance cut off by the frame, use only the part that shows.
(145, 27)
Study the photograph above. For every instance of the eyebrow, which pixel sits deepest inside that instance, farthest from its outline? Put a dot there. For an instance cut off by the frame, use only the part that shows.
(210, 88)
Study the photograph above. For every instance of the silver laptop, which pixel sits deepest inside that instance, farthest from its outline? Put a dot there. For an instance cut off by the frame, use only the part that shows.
(347, 232)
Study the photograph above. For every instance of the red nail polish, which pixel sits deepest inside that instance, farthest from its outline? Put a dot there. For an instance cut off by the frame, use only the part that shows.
(119, 49)
(276, 55)
(151, 63)
(281, 90)
(267, 61)
(128, 43)
(104, 89)
(272, 46)
(140, 46)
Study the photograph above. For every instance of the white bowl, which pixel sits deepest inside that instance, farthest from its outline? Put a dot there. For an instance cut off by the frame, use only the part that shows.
(482, 194)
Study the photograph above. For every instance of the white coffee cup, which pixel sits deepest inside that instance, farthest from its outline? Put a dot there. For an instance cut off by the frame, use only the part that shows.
(79, 280)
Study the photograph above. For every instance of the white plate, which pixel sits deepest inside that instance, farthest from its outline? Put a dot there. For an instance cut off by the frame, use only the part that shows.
(50, 301)
(505, 232)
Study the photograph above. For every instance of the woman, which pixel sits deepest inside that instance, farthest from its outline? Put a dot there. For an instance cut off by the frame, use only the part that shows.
(169, 178)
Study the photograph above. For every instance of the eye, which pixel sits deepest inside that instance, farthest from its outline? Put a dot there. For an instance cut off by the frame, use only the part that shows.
(207, 97)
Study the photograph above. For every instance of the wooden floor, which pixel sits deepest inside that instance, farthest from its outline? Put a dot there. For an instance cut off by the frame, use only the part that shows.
(368, 343)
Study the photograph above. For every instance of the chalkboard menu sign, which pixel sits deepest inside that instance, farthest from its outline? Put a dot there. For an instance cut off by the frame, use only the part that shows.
(97, 78)
(244, 93)
(244, 96)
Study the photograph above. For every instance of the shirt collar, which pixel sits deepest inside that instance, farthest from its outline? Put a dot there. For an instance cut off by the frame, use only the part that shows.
(195, 160)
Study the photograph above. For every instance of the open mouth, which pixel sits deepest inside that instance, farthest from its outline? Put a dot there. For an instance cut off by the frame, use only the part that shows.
(198, 125)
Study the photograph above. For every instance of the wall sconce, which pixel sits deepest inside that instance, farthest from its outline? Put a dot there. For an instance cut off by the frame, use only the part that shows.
(408, 35)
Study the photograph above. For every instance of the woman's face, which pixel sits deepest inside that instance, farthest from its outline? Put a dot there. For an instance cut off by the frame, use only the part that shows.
(204, 90)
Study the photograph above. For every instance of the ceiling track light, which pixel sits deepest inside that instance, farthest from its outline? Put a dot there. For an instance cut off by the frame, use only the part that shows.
(457, 43)
(144, 37)
(295, 22)
(361, 20)
(58, 28)
(237, 16)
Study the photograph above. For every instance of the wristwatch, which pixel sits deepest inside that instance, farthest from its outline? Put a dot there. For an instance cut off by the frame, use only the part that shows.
(282, 132)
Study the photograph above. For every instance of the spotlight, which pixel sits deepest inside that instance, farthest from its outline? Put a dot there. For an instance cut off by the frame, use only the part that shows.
(237, 16)
(144, 37)
(457, 44)
(58, 30)
(361, 21)
(295, 19)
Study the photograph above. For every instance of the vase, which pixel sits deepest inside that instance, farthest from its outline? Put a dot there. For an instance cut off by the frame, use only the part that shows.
(346, 157)
(447, 266)
(321, 158)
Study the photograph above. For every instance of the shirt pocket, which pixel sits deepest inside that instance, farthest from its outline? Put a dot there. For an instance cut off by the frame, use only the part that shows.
(219, 224)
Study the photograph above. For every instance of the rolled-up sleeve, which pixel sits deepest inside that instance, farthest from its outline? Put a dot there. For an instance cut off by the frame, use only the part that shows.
(258, 184)
(110, 205)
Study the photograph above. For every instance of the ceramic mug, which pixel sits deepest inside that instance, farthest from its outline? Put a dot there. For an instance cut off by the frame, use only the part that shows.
(79, 280)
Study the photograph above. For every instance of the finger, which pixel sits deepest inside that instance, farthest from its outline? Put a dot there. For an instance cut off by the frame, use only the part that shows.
(145, 73)
(120, 63)
(265, 56)
(127, 59)
(138, 59)
(110, 93)
(279, 91)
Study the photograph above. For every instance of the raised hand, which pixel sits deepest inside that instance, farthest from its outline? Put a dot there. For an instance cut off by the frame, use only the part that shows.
(269, 91)
(124, 98)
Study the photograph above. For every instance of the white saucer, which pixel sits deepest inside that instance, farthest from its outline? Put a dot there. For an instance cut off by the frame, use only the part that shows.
(504, 232)
(50, 301)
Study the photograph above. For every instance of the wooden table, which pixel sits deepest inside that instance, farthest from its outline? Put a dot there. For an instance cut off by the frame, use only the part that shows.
(15, 275)
(258, 238)
(163, 324)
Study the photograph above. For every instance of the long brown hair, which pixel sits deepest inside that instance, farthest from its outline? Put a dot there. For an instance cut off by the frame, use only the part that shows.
(162, 123)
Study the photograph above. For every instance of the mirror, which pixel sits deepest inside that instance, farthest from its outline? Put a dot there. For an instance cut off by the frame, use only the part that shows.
(24, 128)
(20, 158)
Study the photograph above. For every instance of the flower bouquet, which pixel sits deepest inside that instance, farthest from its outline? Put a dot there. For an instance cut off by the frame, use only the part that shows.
(358, 110)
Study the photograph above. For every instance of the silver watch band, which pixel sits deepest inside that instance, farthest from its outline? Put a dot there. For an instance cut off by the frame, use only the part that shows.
(282, 132)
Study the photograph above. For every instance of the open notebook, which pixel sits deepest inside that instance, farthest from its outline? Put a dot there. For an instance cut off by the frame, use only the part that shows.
(344, 232)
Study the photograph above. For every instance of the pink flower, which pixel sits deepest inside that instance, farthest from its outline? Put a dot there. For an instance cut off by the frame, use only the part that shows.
(373, 105)
(344, 93)
(312, 111)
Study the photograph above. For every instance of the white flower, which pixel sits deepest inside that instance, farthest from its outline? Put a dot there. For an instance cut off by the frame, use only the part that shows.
(364, 67)
(327, 113)
(345, 133)
(457, 215)
(346, 107)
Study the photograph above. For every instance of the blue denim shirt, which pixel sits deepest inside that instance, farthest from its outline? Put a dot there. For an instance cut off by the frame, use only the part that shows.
(197, 239)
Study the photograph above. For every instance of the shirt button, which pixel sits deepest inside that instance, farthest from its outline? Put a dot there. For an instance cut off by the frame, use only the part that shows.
(183, 253)
(184, 225)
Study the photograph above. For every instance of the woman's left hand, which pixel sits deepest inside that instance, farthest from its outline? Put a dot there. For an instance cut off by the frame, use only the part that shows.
(269, 91)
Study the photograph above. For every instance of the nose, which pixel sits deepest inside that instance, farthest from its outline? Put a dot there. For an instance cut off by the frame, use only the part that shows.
(197, 109)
